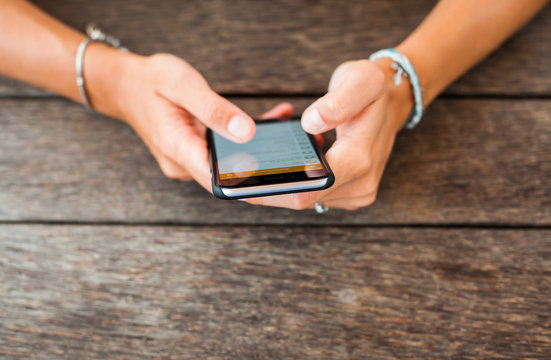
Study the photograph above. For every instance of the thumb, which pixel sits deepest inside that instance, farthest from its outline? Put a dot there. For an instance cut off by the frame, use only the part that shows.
(193, 93)
(219, 114)
(359, 84)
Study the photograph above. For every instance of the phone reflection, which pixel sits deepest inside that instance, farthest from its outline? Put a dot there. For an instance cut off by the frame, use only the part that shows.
(242, 164)
(314, 173)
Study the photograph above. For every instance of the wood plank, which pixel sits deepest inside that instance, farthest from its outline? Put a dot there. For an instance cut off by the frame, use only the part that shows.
(285, 46)
(469, 161)
(333, 293)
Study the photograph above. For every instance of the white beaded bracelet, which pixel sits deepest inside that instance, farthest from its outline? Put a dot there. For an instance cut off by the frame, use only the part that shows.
(403, 67)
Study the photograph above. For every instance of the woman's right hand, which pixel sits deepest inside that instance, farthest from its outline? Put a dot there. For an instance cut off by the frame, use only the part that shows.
(169, 104)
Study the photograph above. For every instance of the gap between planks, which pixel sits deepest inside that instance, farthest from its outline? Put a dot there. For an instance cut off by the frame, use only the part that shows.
(474, 96)
(476, 226)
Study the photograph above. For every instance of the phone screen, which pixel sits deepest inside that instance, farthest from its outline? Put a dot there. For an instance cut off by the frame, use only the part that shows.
(278, 147)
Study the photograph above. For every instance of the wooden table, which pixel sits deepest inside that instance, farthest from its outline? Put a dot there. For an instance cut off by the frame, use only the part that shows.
(103, 257)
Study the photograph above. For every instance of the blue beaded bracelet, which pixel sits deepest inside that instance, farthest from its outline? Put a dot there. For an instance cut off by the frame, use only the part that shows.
(403, 67)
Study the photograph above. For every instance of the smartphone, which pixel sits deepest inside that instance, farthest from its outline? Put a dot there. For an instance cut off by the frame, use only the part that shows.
(281, 159)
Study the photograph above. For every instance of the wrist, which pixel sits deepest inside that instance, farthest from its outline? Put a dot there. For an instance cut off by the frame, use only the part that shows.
(414, 50)
(106, 72)
(400, 97)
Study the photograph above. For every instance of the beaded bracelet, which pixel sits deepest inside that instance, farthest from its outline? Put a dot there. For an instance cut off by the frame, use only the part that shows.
(403, 67)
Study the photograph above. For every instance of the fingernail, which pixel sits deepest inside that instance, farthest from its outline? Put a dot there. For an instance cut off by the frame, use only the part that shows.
(240, 127)
(312, 122)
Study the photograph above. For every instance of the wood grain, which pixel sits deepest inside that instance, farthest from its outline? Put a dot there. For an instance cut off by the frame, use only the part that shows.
(285, 46)
(254, 293)
(469, 161)
(244, 282)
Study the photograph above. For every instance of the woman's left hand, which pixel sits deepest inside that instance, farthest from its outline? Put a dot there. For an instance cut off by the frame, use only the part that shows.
(367, 110)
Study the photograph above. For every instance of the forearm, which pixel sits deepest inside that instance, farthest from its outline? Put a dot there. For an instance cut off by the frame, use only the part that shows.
(38, 49)
(457, 34)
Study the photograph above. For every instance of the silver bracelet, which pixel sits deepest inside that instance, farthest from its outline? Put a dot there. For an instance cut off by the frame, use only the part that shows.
(95, 34)
(403, 67)
(80, 76)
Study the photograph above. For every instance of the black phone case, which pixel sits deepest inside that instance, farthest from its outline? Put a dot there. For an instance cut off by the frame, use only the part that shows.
(217, 191)
(219, 194)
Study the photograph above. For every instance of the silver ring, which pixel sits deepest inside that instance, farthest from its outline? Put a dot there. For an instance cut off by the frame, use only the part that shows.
(320, 208)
